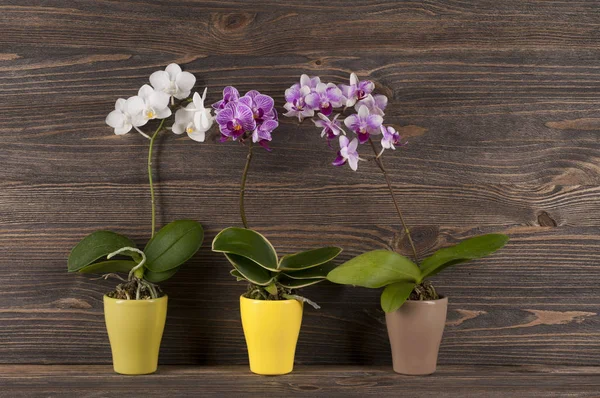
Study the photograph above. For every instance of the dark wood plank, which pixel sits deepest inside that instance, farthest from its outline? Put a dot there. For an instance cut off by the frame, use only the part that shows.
(313, 381)
(206, 28)
(499, 102)
(535, 302)
(37, 205)
(538, 127)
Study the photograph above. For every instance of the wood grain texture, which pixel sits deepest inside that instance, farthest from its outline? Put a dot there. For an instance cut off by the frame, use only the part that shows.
(521, 307)
(499, 103)
(310, 381)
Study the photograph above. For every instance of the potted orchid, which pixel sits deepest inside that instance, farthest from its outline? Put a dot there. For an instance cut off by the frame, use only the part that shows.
(271, 310)
(415, 312)
(135, 311)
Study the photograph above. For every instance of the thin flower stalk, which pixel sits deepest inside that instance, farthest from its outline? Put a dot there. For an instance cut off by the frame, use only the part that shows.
(310, 96)
(379, 162)
(249, 119)
(243, 185)
(153, 202)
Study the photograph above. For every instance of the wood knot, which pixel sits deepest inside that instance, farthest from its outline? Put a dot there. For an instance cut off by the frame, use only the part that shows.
(586, 124)
(234, 21)
(307, 388)
(544, 220)
(544, 317)
(73, 303)
(318, 62)
(411, 131)
(463, 316)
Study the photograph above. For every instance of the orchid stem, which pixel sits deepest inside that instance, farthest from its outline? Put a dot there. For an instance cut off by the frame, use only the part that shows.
(150, 176)
(379, 162)
(243, 186)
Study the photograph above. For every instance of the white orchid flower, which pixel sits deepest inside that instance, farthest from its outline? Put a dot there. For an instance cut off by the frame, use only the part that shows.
(173, 81)
(126, 110)
(202, 115)
(156, 106)
(194, 119)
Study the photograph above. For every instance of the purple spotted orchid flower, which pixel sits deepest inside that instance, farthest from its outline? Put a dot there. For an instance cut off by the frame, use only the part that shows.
(296, 105)
(325, 97)
(331, 127)
(262, 106)
(252, 115)
(390, 137)
(262, 133)
(230, 94)
(357, 90)
(347, 153)
(310, 82)
(311, 96)
(249, 119)
(234, 120)
(375, 103)
(364, 124)
(297, 98)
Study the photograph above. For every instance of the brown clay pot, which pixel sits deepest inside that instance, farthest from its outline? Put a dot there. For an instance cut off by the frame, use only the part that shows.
(415, 332)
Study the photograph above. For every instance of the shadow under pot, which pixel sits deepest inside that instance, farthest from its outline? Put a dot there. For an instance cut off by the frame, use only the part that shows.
(271, 328)
(415, 331)
(135, 329)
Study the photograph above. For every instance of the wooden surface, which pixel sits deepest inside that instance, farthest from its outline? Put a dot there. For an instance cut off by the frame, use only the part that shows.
(499, 101)
(310, 381)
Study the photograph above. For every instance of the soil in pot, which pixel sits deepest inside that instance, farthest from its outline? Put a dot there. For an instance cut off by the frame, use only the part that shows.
(128, 290)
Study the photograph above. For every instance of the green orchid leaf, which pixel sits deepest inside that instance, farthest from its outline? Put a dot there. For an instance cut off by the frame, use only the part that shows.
(272, 289)
(95, 246)
(158, 277)
(246, 243)
(469, 249)
(173, 245)
(107, 267)
(374, 269)
(395, 295)
(318, 272)
(308, 259)
(235, 273)
(250, 270)
(296, 283)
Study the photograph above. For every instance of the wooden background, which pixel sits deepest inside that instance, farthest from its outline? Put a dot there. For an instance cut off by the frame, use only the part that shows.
(500, 103)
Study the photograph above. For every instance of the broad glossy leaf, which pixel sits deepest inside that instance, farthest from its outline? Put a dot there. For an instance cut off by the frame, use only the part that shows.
(318, 272)
(395, 295)
(250, 270)
(296, 283)
(246, 243)
(95, 246)
(374, 269)
(235, 273)
(157, 277)
(173, 245)
(106, 267)
(469, 249)
(309, 258)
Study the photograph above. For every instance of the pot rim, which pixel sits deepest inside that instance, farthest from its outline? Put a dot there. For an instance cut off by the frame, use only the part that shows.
(269, 301)
(136, 302)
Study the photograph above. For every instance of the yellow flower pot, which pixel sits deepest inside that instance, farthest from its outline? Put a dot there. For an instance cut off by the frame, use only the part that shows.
(271, 329)
(135, 329)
